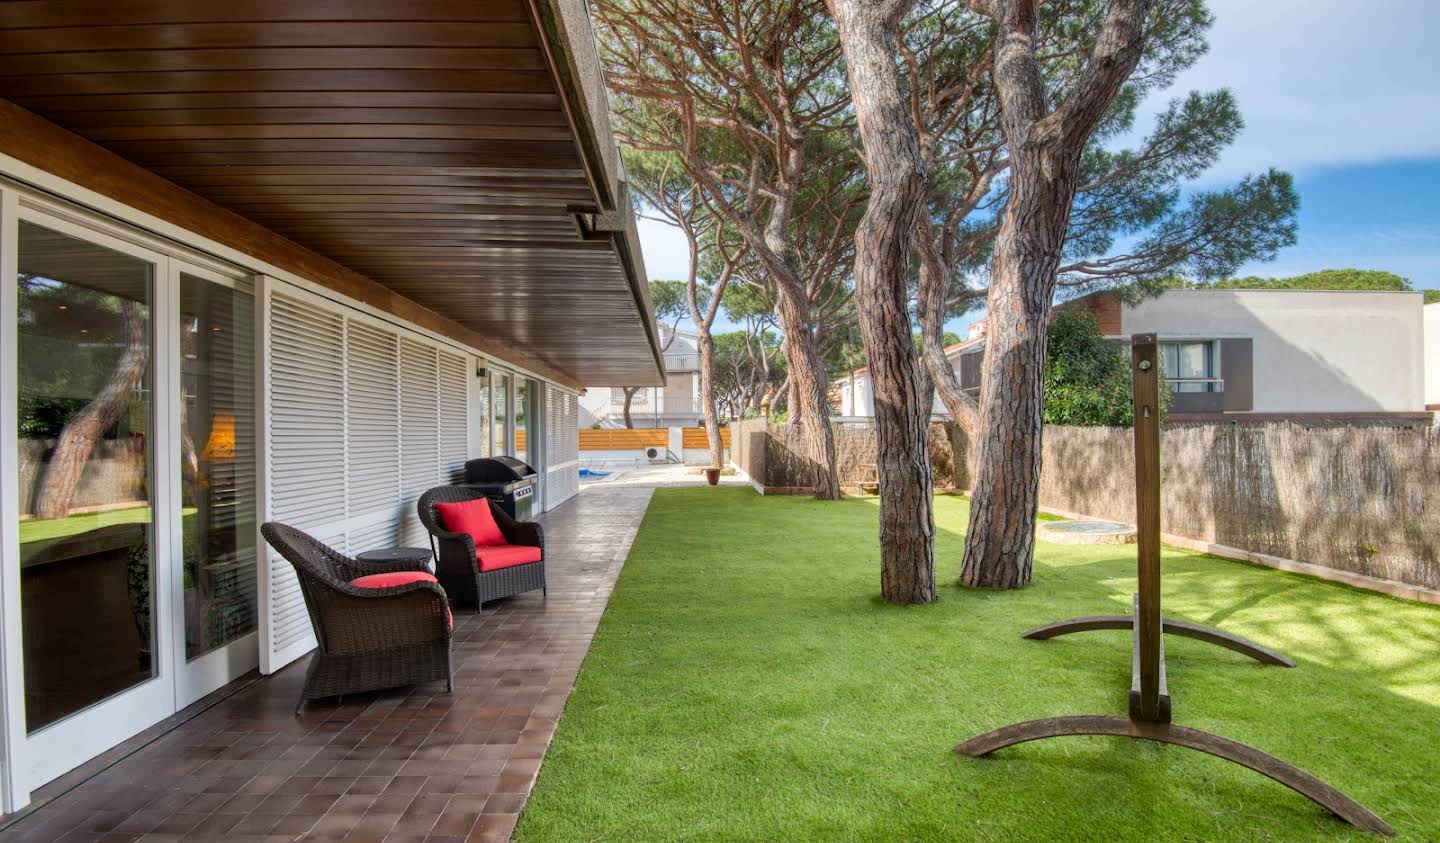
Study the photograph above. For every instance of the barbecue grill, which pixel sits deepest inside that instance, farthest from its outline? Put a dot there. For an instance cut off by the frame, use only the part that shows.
(507, 481)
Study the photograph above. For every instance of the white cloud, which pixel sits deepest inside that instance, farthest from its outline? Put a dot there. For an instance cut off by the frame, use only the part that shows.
(1321, 83)
(667, 255)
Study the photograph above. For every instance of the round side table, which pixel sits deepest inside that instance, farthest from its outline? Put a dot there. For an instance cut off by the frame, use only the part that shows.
(399, 554)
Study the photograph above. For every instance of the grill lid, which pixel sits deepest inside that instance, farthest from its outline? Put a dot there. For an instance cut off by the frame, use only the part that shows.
(497, 470)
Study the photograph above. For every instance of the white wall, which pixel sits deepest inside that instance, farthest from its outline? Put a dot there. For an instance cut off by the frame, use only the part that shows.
(1432, 354)
(1322, 351)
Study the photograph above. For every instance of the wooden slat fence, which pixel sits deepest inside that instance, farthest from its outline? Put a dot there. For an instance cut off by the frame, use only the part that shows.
(694, 437)
(624, 439)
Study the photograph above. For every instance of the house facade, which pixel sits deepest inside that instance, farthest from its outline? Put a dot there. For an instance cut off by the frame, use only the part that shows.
(676, 404)
(1432, 356)
(244, 278)
(1260, 354)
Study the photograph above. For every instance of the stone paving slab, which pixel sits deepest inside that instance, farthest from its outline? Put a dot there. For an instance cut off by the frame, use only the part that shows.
(415, 764)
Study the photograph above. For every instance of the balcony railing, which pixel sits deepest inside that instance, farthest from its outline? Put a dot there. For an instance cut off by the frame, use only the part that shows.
(647, 405)
(1196, 384)
(682, 362)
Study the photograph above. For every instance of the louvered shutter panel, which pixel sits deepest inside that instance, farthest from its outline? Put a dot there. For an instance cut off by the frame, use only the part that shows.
(454, 382)
(562, 472)
(373, 415)
(419, 432)
(305, 457)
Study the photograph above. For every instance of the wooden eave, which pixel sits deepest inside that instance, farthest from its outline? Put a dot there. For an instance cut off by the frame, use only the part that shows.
(425, 156)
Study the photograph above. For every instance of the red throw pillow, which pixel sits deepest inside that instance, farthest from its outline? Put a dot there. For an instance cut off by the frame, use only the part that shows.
(392, 580)
(473, 517)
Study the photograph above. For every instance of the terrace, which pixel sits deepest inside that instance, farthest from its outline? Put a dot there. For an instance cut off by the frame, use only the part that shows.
(415, 763)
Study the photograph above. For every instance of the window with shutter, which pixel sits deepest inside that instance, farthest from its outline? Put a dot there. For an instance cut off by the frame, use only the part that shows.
(419, 431)
(562, 467)
(305, 457)
(454, 399)
(373, 414)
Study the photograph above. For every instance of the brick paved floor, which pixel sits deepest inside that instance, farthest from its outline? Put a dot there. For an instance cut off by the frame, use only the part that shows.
(409, 765)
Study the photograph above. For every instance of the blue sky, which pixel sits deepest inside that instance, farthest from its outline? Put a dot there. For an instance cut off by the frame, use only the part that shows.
(1345, 96)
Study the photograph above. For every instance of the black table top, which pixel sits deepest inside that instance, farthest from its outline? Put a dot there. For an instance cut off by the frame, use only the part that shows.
(395, 554)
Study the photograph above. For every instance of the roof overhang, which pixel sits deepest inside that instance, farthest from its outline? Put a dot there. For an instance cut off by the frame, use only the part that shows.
(458, 154)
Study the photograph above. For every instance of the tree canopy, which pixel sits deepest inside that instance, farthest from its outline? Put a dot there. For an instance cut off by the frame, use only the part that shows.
(1087, 378)
(1325, 279)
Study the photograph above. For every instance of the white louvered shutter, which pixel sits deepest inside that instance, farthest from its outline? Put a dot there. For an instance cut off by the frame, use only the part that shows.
(562, 474)
(454, 382)
(305, 456)
(419, 433)
(373, 414)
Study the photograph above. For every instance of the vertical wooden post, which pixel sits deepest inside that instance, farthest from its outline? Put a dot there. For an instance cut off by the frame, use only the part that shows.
(1145, 374)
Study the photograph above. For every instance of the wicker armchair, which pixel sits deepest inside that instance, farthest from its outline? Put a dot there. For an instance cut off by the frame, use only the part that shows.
(369, 638)
(455, 563)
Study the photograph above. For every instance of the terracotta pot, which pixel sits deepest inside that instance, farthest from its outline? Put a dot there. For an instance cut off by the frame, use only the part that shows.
(712, 476)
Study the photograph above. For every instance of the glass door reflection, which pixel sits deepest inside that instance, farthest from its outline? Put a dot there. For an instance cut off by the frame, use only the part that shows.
(217, 464)
(84, 378)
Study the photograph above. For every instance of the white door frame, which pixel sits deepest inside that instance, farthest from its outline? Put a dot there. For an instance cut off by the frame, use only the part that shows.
(67, 743)
(194, 678)
(27, 761)
(14, 785)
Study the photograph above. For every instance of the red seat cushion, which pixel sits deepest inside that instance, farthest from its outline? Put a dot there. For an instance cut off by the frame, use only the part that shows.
(393, 579)
(505, 556)
(473, 517)
(400, 578)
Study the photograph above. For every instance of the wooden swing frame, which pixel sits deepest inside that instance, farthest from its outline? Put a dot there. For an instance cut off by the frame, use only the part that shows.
(1149, 699)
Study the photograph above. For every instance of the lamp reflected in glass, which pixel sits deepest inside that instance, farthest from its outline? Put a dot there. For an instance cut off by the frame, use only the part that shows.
(221, 445)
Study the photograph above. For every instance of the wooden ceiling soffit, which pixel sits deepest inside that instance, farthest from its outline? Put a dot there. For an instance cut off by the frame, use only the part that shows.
(44, 145)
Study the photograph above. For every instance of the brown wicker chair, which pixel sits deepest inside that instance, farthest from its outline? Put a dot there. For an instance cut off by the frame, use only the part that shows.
(455, 564)
(368, 638)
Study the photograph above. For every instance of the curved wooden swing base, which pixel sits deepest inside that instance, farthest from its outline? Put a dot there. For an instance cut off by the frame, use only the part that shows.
(1263, 763)
(1149, 698)
(1169, 626)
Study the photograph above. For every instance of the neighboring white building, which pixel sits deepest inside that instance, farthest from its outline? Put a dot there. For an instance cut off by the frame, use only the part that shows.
(1432, 356)
(677, 404)
(1292, 353)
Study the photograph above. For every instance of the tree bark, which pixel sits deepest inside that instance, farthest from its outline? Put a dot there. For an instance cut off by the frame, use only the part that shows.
(629, 397)
(807, 391)
(930, 307)
(707, 400)
(79, 436)
(882, 258)
(1045, 148)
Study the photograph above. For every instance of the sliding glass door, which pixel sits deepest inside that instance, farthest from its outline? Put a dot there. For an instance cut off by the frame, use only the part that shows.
(89, 522)
(216, 449)
(135, 469)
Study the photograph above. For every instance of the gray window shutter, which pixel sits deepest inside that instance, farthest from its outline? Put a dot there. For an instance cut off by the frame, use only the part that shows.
(1237, 369)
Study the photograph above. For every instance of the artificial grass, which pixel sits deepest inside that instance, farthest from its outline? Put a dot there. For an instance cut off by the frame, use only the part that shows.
(746, 683)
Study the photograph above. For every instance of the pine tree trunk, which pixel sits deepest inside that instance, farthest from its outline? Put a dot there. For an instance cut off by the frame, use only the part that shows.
(807, 390)
(1045, 147)
(930, 307)
(80, 435)
(629, 397)
(707, 398)
(882, 260)
(1000, 541)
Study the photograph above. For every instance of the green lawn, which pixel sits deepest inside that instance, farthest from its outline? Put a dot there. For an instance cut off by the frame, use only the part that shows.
(45, 529)
(747, 684)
